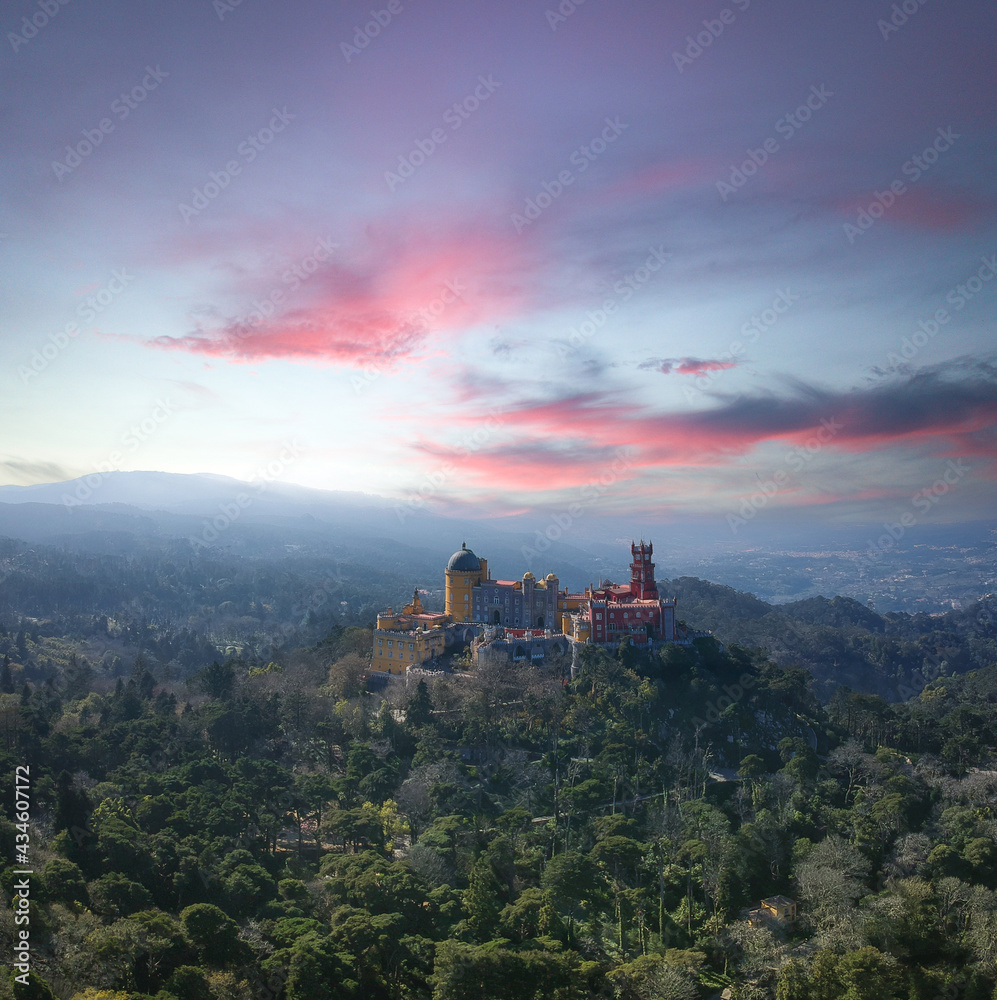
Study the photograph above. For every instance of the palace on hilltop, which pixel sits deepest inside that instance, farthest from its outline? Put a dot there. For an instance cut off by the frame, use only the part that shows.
(525, 619)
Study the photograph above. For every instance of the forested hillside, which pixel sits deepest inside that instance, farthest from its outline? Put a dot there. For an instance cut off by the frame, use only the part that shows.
(843, 642)
(274, 831)
(224, 806)
(163, 596)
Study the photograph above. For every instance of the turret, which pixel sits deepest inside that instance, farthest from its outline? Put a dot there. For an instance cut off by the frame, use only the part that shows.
(464, 573)
(642, 584)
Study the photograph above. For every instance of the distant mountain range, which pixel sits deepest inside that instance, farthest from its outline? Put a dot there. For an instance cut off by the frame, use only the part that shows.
(237, 558)
(197, 493)
(934, 568)
(118, 511)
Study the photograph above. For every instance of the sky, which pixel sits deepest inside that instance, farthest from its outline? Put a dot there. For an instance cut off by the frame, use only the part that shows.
(705, 260)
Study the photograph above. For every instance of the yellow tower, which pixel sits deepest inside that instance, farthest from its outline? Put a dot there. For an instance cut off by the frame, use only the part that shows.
(465, 571)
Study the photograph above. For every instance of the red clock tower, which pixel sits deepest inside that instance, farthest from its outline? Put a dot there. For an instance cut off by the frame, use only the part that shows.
(642, 584)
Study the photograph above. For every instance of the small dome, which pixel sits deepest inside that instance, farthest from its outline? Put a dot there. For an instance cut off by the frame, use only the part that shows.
(550, 576)
(528, 576)
(464, 561)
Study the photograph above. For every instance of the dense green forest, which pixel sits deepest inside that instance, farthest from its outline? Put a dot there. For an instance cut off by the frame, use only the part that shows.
(218, 828)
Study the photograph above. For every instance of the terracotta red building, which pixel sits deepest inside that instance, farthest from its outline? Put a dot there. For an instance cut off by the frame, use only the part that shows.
(612, 611)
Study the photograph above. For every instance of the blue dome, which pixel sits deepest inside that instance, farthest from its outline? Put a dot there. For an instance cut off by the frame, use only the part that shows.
(464, 561)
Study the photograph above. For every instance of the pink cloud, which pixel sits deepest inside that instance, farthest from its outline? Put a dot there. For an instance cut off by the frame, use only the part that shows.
(950, 411)
(922, 206)
(686, 366)
(660, 177)
(378, 299)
